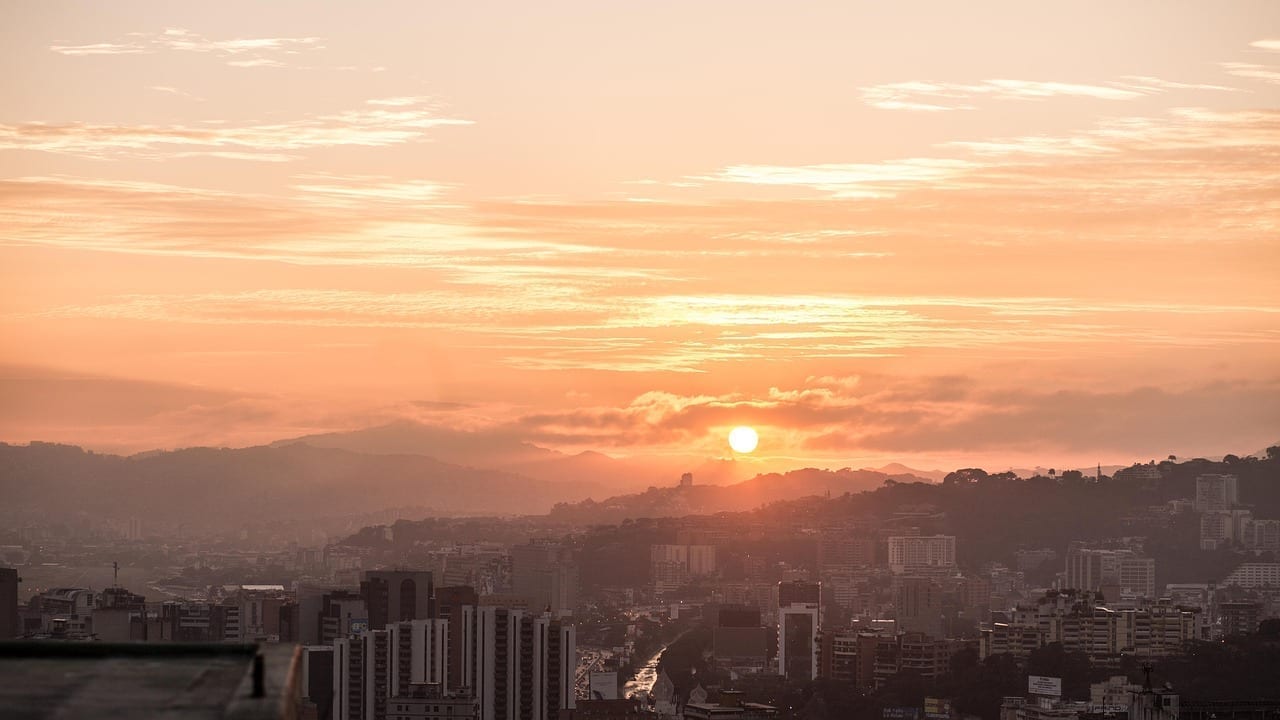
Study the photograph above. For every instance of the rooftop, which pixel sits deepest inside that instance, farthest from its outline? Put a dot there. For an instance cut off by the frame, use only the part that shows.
(132, 681)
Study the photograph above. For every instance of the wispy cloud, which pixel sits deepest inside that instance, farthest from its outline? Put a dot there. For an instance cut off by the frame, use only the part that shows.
(847, 180)
(236, 52)
(1272, 45)
(691, 286)
(943, 96)
(355, 190)
(930, 414)
(1253, 71)
(373, 125)
(568, 326)
(175, 91)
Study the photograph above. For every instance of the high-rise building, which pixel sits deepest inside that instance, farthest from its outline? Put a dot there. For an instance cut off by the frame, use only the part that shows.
(8, 603)
(518, 666)
(396, 595)
(120, 616)
(918, 605)
(316, 678)
(290, 622)
(449, 603)
(914, 554)
(739, 641)
(419, 653)
(424, 701)
(187, 622)
(1253, 575)
(1137, 576)
(839, 656)
(1114, 573)
(310, 599)
(702, 560)
(1262, 535)
(545, 575)
(1216, 493)
(342, 613)
(671, 566)
(842, 549)
(1220, 528)
(1239, 618)
(1075, 620)
(799, 622)
(348, 678)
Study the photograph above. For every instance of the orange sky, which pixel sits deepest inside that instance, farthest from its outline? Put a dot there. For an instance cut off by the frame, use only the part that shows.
(936, 232)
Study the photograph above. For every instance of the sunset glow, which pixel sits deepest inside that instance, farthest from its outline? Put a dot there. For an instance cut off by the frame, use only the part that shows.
(891, 231)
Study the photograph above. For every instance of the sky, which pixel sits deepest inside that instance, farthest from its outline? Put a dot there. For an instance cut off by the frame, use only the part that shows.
(941, 233)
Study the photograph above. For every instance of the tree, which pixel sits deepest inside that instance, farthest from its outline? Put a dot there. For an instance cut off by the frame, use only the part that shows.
(1073, 667)
(1273, 452)
(965, 476)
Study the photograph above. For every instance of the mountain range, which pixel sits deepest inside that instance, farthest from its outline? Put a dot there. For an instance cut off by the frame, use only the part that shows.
(452, 472)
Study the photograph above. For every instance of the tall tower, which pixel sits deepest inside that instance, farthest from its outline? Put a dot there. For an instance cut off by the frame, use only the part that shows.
(799, 619)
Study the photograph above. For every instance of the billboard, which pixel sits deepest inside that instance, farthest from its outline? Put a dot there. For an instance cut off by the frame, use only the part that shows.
(937, 708)
(604, 686)
(900, 713)
(1041, 685)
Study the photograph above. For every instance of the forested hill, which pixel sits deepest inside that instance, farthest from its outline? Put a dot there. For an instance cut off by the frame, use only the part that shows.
(992, 516)
(706, 499)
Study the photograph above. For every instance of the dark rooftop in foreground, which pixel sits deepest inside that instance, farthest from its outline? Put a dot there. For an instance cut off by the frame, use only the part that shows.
(132, 681)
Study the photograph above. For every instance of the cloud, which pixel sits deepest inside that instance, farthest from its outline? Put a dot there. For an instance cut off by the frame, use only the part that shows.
(351, 191)
(847, 180)
(102, 49)
(1253, 71)
(175, 91)
(1271, 45)
(236, 52)
(942, 414)
(579, 327)
(1022, 248)
(1233, 148)
(943, 96)
(370, 126)
(1145, 421)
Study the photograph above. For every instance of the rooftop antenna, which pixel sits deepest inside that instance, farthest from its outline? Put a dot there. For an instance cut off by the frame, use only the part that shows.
(115, 574)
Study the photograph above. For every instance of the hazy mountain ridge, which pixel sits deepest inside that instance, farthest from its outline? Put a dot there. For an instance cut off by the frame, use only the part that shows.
(701, 499)
(500, 451)
(208, 487)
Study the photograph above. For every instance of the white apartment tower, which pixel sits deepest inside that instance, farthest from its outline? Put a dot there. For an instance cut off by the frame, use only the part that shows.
(916, 553)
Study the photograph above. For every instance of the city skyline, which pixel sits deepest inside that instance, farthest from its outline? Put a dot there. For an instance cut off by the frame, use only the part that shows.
(1026, 235)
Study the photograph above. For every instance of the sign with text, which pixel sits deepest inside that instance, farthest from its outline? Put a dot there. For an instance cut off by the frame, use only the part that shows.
(1041, 685)
(900, 713)
(937, 708)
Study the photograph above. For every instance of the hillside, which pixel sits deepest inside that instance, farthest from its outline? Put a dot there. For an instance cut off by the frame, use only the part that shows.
(701, 499)
(219, 488)
(496, 450)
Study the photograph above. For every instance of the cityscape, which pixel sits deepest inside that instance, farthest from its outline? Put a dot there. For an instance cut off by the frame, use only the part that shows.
(580, 360)
(919, 597)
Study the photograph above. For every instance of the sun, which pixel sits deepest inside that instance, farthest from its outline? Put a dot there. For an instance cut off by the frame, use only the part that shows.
(743, 439)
